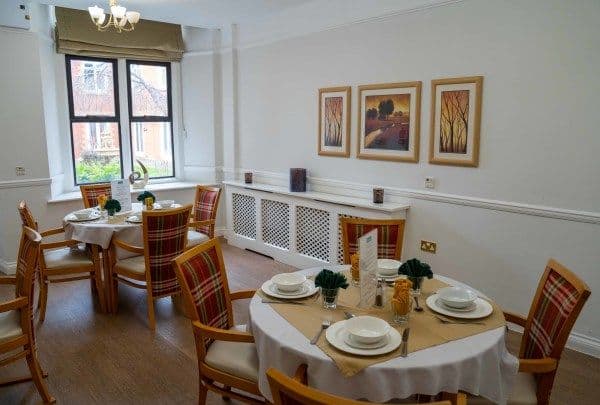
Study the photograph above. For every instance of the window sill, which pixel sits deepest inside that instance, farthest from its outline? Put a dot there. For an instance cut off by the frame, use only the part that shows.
(174, 185)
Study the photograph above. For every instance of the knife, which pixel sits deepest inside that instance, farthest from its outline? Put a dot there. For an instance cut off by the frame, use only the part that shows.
(404, 348)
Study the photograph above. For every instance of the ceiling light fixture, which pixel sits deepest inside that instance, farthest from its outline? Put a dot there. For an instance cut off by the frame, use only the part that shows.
(117, 19)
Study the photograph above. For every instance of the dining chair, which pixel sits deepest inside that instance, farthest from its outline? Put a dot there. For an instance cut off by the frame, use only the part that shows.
(226, 352)
(63, 261)
(165, 237)
(16, 316)
(293, 391)
(91, 192)
(390, 234)
(559, 298)
(204, 214)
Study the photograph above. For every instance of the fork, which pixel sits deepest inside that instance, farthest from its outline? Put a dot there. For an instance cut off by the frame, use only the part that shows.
(452, 322)
(324, 325)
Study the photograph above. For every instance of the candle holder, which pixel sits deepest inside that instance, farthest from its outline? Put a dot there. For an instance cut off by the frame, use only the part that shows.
(248, 177)
(297, 180)
(378, 195)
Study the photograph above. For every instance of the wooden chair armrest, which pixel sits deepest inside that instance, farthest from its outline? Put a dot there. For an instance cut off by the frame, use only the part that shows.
(209, 332)
(13, 304)
(515, 318)
(8, 280)
(194, 224)
(126, 246)
(301, 374)
(59, 244)
(242, 294)
(543, 365)
(53, 231)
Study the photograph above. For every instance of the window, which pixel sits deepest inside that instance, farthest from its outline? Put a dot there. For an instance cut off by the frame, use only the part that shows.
(94, 117)
(150, 116)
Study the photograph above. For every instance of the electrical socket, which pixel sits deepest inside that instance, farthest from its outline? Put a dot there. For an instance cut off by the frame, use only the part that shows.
(428, 246)
(20, 171)
(429, 182)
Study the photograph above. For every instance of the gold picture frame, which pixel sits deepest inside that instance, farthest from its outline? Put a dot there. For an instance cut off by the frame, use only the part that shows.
(334, 121)
(389, 119)
(455, 121)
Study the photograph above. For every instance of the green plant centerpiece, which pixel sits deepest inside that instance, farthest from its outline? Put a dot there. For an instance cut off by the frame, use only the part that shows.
(416, 271)
(112, 206)
(330, 283)
(146, 194)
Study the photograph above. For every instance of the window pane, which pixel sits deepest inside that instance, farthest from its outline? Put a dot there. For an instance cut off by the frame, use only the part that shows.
(151, 144)
(96, 151)
(93, 88)
(148, 90)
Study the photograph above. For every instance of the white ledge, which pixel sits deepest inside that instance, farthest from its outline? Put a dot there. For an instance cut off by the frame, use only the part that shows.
(176, 185)
(388, 207)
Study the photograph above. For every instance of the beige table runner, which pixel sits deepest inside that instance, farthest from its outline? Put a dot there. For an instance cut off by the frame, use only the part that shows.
(425, 330)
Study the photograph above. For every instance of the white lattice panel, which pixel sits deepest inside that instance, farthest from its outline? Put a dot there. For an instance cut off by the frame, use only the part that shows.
(244, 215)
(312, 232)
(340, 256)
(275, 223)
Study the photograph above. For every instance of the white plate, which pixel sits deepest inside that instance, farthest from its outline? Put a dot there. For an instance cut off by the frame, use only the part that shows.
(159, 208)
(351, 342)
(307, 290)
(470, 308)
(393, 277)
(93, 216)
(134, 219)
(337, 334)
(482, 309)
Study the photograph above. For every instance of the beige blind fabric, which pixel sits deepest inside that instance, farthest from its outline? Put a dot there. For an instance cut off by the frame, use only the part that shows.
(151, 40)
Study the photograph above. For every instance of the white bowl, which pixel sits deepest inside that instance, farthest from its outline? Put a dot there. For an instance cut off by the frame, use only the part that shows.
(456, 297)
(165, 203)
(388, 267)
(82, 214)
(288, 282)
(367, 329)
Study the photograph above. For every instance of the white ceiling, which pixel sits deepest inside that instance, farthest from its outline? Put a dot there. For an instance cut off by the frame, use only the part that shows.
(197, 13)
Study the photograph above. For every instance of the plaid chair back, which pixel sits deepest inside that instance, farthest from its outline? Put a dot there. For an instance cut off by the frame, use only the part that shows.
(91, 192)
(27, 264)
(560, 297)
(205, 207)
(26, 216)
(389, 236)
(165, 237)
(205, 281)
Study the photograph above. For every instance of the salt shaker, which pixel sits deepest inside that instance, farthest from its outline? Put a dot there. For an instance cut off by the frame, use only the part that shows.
(379, 294)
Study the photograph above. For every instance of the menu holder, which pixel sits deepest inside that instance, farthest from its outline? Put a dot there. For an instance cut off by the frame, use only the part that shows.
(120, 191)
(367, 249)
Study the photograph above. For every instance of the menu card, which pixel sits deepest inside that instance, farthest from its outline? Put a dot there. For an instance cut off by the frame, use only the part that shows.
(367, 249)
(119, 190)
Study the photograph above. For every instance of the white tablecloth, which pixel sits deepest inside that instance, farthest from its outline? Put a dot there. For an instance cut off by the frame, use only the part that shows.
(479, 364)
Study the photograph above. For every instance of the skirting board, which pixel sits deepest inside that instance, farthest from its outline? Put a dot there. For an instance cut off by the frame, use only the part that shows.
(8, 267)
(577, 341)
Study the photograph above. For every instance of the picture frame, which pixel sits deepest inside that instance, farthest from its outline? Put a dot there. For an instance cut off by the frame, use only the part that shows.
(389, 119)
(455, 121)
(334, 121)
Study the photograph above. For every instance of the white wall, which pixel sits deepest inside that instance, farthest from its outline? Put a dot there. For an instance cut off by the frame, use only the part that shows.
(539, 142)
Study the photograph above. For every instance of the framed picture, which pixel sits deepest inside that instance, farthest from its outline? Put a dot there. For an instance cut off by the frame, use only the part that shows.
(455, 121)
(389, 116)
(334, 121)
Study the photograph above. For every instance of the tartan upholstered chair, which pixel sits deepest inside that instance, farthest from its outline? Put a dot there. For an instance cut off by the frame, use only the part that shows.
(293, 391)
(63, 260)
(390, 234)
(226, 353)
(16, 316)
(202, 225)
(557, 303)
(165, 237)
(91, 192)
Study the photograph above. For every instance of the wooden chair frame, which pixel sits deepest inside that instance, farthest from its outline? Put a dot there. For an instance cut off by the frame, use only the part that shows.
(297, 389)
(344, 221)
(545, 368)
(207, 374)
(86, 188)
(143, 281)
(24, 343)
(212, 221)
(61, 275)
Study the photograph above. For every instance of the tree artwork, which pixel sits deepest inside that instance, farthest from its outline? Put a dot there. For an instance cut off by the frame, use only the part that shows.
(454, 121)
(334, 111)
(333, 121)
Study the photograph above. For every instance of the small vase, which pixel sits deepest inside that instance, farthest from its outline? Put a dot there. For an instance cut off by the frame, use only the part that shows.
(111, 213)
(330, 297)
(417, 282)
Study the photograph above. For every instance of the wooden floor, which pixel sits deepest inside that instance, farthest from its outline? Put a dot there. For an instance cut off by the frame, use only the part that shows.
(96, 358)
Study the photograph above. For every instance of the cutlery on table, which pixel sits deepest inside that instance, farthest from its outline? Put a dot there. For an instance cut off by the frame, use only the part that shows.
(404, 344)
(452, 321)
(418, 308)
(266, 301)
(348, 315)
(324, 325)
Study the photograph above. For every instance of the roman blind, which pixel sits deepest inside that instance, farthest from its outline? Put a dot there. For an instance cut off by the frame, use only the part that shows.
(151, 40)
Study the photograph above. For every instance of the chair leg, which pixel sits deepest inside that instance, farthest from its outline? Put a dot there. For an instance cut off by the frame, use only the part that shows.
(36, 375)
(151, 319)
(97, 282)
(225, 397)
(43, 300)
(202, 394)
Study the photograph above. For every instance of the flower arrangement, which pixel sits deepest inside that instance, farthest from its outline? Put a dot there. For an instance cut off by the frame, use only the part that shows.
(112, 206)
(330, 284)
(416, 271)
(146, 194)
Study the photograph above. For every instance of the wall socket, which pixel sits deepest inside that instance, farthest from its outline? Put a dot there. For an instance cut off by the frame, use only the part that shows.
(428, 246)
(20, 171)
(429, 182)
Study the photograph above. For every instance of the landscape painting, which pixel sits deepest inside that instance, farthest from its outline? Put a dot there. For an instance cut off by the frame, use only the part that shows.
(456, 116)
(389, 121)
(334, 122)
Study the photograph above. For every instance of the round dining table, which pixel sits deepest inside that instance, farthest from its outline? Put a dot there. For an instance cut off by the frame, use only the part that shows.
(479, 364)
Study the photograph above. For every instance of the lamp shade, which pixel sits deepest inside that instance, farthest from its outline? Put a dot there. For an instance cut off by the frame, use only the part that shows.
(118, 11)
(95, 12)
(133, 16)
